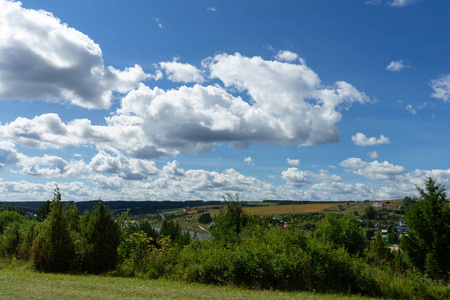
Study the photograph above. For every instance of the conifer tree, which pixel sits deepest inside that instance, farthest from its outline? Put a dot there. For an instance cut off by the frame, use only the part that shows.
(99, 240)
(427, 246)
(53, 249)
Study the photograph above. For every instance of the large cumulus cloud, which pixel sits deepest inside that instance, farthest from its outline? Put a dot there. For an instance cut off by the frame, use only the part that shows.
(42, 58)
(259, 101)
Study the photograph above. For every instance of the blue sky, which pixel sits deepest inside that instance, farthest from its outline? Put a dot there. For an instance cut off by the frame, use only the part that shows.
(156, 100)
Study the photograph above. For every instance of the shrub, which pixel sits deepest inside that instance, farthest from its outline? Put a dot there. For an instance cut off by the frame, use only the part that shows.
(8, 217)
(146, 259)
(274, 258)
(344, 232)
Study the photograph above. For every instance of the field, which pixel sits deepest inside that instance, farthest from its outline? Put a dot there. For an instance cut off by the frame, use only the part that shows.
(286, 209)
(21, 282)
(188, 220)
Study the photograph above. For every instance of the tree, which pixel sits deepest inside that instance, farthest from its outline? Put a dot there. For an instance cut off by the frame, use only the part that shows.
(99, 240)
(43, 211)
(370, 212)
(344, 232)
(427, 245)
(8, 217)
(205, 218)
(172, 229)
(378, 253)
(53, 249)
(230, 221)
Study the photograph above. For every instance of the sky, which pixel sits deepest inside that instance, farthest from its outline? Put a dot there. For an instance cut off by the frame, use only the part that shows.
(187, 100)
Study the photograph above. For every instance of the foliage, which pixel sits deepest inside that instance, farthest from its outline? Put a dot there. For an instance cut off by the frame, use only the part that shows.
(378, 253)
(43, 211)
(146, 259)
(9, 216)
(53, 249)
(172, 230)
(146, 227)
(407, 202)
(99, 239)
(28, 234)
(427, 246)
(344, 232)
(205, 218)
(230, 221)
(369, 212)
(274, 258)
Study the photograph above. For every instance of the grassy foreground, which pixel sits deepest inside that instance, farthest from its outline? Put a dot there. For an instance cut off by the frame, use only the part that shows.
(19, 281)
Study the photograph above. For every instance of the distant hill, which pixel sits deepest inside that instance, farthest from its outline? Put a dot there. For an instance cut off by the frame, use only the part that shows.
(145, 207)
(117, 207)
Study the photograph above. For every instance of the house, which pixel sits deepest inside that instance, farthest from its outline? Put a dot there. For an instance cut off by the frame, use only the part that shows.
(378, 205)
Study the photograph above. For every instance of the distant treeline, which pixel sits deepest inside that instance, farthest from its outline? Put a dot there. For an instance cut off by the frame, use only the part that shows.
(116, 207)
(143, 207)
(290, 202)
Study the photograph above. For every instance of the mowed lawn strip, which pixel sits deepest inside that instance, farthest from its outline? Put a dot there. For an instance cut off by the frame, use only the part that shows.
(28, 284)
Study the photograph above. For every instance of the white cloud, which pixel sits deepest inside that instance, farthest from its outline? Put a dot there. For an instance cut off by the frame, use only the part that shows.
(373, 154)
(401, 3)
(8, 154)
(158, 23)
(213, 9)
(361, 140)
(293, 162)
(333, 187)
(411, 109)
(172, 170)
(51, 166)
(285, 55)
(248, 160)
(113, 183)
(124, 167)
(279, 91)
(179, 72)
(441, 87)
(295, 177)
(396, 66)
(60, 63)
(375, 170)
(286, 105)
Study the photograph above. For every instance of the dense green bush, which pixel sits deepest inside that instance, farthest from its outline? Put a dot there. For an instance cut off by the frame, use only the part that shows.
(274, 258)
(148, 259)
(172, 230)
(230, 221)
(8, 217)
(344, 232)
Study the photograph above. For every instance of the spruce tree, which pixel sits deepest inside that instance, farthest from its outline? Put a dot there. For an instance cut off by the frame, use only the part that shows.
(53, 249)
(427, 245)
(99, 240)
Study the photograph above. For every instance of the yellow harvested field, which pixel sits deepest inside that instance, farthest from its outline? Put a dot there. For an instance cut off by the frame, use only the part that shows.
(286, 209)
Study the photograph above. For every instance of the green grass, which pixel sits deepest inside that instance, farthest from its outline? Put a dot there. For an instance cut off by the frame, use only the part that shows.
(19, 281)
